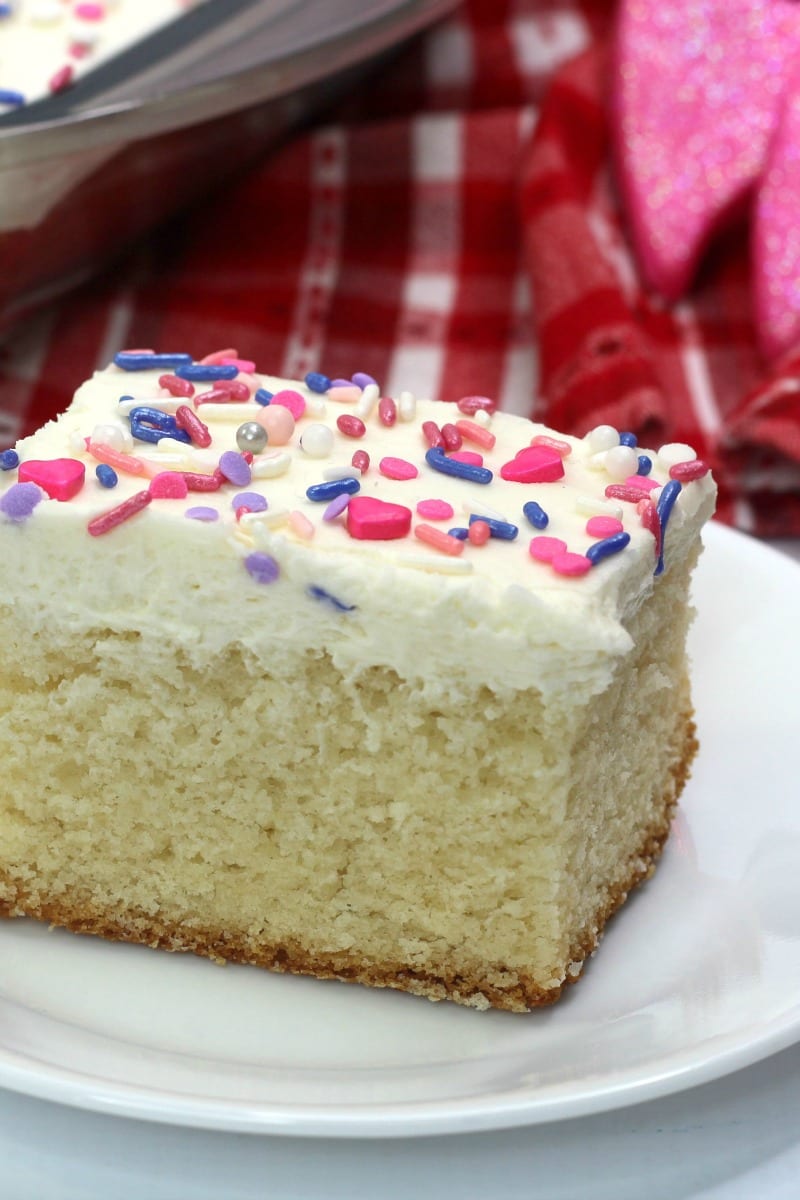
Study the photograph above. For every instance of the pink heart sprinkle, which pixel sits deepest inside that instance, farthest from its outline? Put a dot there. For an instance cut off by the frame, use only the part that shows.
(534, 464)
(377, 520)
(61, 478)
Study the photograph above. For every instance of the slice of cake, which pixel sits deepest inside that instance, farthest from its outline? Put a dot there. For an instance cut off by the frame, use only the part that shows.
(295, 674)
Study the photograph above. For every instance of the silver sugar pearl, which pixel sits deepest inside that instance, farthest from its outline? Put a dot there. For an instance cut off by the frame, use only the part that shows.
(251, 436)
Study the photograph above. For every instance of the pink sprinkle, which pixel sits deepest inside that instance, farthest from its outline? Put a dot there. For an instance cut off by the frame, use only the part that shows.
(138, 350)
(90, 12)
(189, 421)
(197, 482)
(176, 386)
(439, 541)
(344, 395)
(360, 461)
(60, 478)
(544, 548)
(651, 521)
(551, 443)
(234, 387)
(169, 485)
(643, 482)
(685, 472)
(451, 437)
(80, 50)
(336, 507)
(387, 411)
(435, 510)
(116, 458)
(467, 456)
(215, 395)
(123, 512)
(567, 563)
(397, 468)
(61, 79)
(471, 431)
(469, 405)
(433, 435)
(479, 533)
(621, 491)
(291, 400)
(248, 380)
(245, 366)
(370, 519)
(301, 525)
(603, 527)
(350, 425)
(220, 358)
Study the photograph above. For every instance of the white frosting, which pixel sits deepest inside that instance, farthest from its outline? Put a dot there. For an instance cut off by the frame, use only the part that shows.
(37, 40)
(492, 614)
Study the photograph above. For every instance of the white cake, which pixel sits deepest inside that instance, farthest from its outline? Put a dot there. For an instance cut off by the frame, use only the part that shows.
(326, 735)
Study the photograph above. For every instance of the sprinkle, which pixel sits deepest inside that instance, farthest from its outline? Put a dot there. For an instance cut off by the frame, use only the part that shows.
(460, 532)
(369, 519)
(233, 407)
(61, 79)
(602, 437)
(234, 388)
(479, 509)
(643, 482)
(467, 456)
(621, 461)
(483, 418)
(603, 527)
(550, 443)
(144, 360)
(323, 492)
(202, 513)
(451, 437)
(470, 405)
(433, 434)
(254, 502)
(438, 539)
(151, 424)
(534, 464)
(589, 505)
(126, 463)
(621, 491)
(270, 466)
(608, 546)
(317, 441)
(543, 549)
(206, 372)
(175, 386)
(220, 356)
(675, 452)
(360, 461)
(301, 525)
(190, 423)
(340, 472)
(278, 422)
(535, 514)
(387, 411)
(20, 500)
(318, 593)
(648, 514)
(362, 380)
(344, 395)
(9, 459)
(263, 397)
(252, 436)
(479, 532)
(447, 466)
(435, 510)
(340, 383)
(262, 567)
(315, 381)
(472, 432)
(397, 468)
(645, 465)
(686, 472)
(106, 476)
(666, 502)
(503, 530)
(245, 367)
(11, 98)
(369, 398)
(336, 507)
(197, 482)
(169, 485)
(292, 400)
(350, 426)
(407, 406)
(628, 439)
(115, 516)
(235, 468)
(568, 563)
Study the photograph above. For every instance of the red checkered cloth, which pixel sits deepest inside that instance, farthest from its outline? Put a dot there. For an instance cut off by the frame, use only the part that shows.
(454, 230)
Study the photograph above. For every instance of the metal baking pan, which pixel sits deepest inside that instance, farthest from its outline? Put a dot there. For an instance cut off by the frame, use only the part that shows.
(84, 173)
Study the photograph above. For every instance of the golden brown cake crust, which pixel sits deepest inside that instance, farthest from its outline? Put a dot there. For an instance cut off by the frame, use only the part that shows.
(474, 991)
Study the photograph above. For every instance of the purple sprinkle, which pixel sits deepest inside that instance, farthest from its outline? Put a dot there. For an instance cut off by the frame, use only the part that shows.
(202, 513)
(20, 500)
(235, 468)
(336, 506)
(341, 383)
(252, 500)
(262, 567)
(362, 380)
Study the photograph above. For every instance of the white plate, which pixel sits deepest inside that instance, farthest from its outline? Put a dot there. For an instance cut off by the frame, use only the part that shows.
(698, 976)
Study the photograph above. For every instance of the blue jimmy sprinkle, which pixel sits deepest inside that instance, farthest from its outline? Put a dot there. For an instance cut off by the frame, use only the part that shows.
(9, 459)
(628, 439)
(129, 361)
(263, 397)
(606, 547)
(666, 503)
(322, 492)
(11, 98)
(458, 531)
(536, 515)
(317, 382)
(207, 372)
(645, 465)
(106, 476)
(450, 466)
(499, 529)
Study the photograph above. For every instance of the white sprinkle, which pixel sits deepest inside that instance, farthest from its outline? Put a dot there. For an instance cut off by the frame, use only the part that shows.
(165, 403)
(602, 437)
(621, 461)
(113, 434)
(674, 452)
(483, 510)
(317, 441)
(369, 398)
(201, 460)
(348, 472)
(406, 406)
(77, 442)
(269, 466)
(482, 417)
(168, 445)
(597, 506)
(316, 406)
(269, 519)
(236, 411)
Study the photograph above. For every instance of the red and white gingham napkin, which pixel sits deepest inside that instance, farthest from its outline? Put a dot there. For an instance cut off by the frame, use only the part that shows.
(454, 231)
